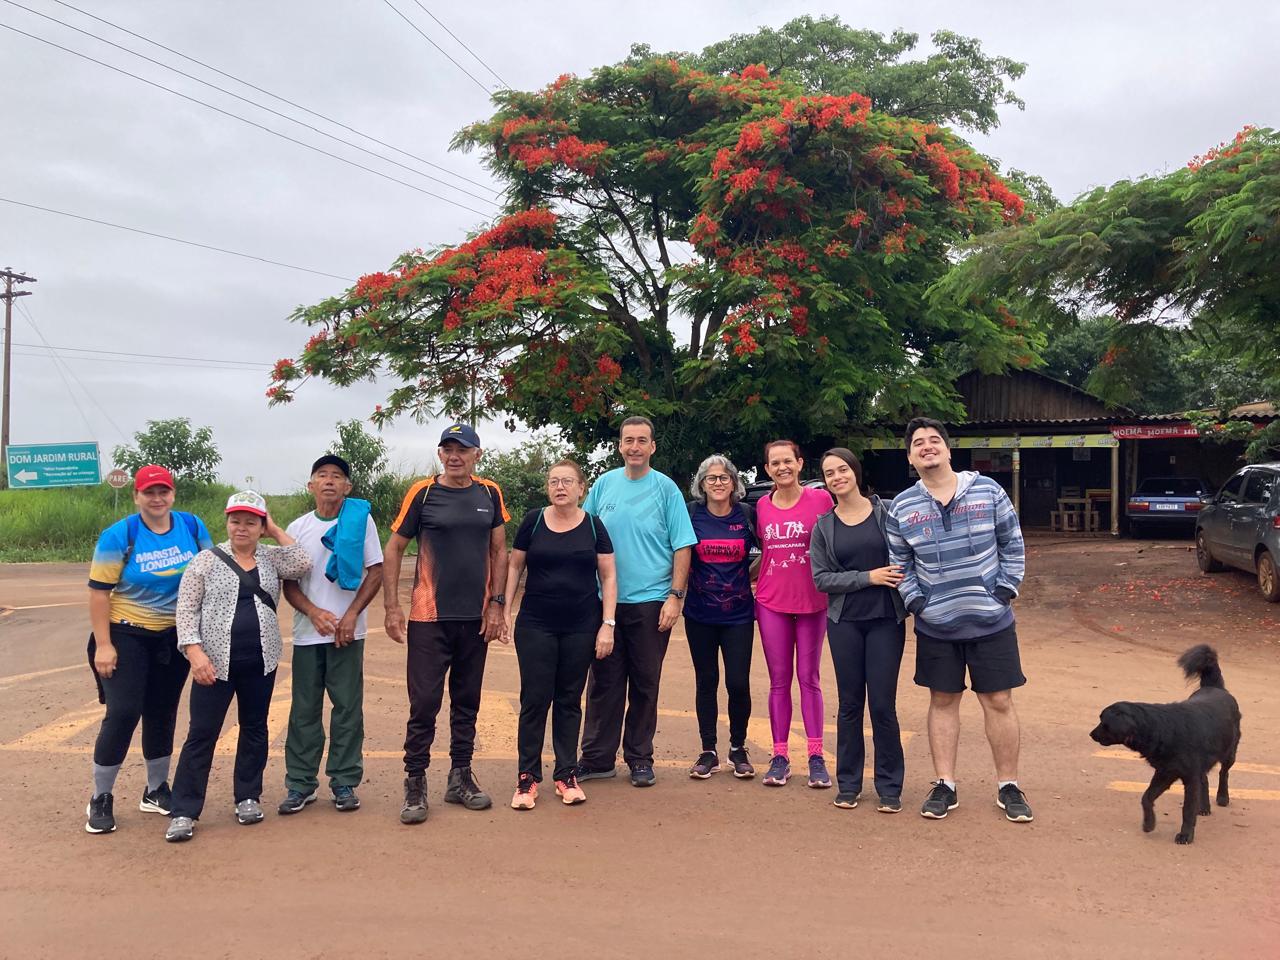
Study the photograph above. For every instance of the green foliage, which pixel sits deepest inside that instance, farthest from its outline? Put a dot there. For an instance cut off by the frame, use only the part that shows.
(189, 454)
(734, 256)
(63, 524)
(957, 84)
(522, 474)
(1196, 250)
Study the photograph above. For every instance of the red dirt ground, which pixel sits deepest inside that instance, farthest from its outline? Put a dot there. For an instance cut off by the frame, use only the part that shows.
(720, 868)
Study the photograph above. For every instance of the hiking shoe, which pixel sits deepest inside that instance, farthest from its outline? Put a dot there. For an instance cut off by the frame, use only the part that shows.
(1014, 804)
(463, 789)
(583, 772)
(248, 812)
(742, 768)
(779, 772)
(345, 799)
(846, 800)
(180, 829)
(570, 792)
(706, 764)
(642, 775)
(414, 809)
(294, 801)
(100, 814)
(819, 779)
(940, 801)
(889, 805)
(526, 794)
(159, 800)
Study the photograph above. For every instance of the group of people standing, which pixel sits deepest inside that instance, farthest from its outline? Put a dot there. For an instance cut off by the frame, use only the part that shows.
(608, 573)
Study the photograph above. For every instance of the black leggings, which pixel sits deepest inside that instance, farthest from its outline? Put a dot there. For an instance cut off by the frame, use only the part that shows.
(553, 673)
(146, 685)
(867, 655)
(708, 642)
(252, 691)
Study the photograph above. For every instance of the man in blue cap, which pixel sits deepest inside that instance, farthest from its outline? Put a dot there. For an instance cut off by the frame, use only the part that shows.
(456, 610)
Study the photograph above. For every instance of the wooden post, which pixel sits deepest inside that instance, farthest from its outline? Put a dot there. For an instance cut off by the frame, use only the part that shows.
(1115, 489)
(1017, 483)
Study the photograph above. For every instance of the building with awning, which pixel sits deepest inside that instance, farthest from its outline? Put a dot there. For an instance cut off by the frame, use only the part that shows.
(1056, 448)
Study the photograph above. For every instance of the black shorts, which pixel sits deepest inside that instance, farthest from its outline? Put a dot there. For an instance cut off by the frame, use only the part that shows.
(993, 663)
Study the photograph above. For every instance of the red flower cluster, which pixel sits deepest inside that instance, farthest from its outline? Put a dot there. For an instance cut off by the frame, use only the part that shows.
(946, 174)
(374, 286)
(1222, 150)
(609, 368)
(823, 111)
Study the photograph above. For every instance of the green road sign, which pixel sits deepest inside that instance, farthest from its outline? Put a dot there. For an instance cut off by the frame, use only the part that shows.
(52, 465)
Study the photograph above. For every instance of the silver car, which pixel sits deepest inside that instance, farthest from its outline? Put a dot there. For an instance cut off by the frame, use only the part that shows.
(1239, 527)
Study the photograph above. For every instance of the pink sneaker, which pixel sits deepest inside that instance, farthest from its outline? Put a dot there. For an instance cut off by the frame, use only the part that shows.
(526, 794)
(570, 792)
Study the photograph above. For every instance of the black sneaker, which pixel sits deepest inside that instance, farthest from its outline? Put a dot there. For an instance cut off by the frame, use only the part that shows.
(742, 768)
(294, 802)
(414, 809)
(1014, 804)
(100, 814)
(846, 800)
(345, 799)
(583, 772)
(642, 775)
(706, 764)
(463, 789)
(940, 801)
(159, 800)
(889, 805)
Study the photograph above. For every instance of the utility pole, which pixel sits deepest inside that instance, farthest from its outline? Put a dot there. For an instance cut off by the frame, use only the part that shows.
(10, 278)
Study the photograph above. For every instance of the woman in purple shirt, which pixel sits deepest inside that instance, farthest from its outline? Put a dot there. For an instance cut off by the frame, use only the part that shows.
(719, 612)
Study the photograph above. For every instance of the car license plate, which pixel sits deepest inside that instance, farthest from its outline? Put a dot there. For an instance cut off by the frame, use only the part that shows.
(1167, 506)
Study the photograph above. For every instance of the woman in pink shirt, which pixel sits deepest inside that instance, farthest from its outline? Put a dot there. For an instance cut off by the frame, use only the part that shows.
(792, 613)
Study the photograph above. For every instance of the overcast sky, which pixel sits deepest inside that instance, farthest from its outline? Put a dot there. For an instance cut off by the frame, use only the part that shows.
(1113, 90)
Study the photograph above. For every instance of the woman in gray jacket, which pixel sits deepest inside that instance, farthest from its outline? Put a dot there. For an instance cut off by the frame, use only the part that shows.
(228, 631)
(849, 556)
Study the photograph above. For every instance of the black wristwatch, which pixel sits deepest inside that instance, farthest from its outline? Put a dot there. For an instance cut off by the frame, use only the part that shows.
(498, 598)
(678, 594)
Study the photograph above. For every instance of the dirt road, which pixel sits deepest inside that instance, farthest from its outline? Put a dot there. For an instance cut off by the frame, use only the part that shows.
(721, 868)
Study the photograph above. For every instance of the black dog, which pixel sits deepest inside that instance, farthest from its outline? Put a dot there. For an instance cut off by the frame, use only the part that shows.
(1181, 740)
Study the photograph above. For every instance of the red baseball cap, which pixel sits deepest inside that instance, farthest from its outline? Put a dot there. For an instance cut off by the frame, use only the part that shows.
(151, 476)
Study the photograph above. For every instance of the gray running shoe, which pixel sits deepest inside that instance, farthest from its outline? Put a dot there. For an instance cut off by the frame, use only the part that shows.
(1014, 804)
(464, 789)
(248, 812)
(99, 814)
(415, 800)
(180, 829)
(940, 801)
(584, 772)
(295, 802)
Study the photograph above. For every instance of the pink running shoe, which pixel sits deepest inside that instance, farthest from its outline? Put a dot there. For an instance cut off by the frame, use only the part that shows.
(570, 792)
(526, 794)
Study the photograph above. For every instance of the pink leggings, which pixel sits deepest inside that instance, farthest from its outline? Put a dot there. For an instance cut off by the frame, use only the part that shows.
(793, 639)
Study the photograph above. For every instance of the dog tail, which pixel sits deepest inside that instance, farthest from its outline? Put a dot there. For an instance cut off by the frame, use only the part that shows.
(1202, 660)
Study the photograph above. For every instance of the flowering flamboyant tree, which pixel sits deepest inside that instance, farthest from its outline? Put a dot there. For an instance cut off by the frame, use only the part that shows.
(730, 255)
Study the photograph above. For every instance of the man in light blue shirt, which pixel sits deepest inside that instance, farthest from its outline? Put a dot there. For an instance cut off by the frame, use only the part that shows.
(649, 525)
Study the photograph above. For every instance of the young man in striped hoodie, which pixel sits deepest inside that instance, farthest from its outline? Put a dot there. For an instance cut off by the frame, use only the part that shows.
(957, 539)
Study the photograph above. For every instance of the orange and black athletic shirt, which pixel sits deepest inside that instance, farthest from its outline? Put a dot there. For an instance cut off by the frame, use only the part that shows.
(452, 526)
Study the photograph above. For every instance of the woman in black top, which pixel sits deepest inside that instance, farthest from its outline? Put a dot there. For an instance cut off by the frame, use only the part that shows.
(564, 620)
(849, 556)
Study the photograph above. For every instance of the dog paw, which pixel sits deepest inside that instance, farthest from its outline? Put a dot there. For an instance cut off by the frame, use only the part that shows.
(1206, 811)
(1148, 823)
(1223, 801)
(1184, 838)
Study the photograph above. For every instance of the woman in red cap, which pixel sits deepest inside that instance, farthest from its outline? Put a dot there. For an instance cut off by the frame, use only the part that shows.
(133, 593)
(228, 631)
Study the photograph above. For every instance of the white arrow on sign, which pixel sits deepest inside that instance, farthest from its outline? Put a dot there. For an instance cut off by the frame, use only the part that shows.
(25, 476)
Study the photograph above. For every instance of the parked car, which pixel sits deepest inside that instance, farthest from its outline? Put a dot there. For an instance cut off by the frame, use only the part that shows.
(1166, 500)
(1240, 527)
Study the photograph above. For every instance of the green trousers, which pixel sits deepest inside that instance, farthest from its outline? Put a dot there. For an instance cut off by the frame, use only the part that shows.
(339, 671)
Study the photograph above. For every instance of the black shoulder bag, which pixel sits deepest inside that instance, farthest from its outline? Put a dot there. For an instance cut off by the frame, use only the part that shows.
(243, 574)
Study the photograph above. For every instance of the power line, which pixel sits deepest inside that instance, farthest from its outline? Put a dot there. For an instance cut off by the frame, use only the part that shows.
(276, 96)
(162, 236)
(236, 116)
(70, 393)
(418, 30)
(252, 103)
(455, 37)
(152, 356)
(36, 352)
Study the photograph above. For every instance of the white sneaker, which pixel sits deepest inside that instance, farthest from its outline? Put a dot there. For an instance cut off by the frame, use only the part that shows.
(180, 829)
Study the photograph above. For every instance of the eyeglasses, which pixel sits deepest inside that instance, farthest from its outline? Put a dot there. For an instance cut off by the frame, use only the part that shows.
(562, 481)
(715, 481)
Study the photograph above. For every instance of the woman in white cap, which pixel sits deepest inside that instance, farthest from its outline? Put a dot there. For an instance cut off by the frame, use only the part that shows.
(227, 629)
